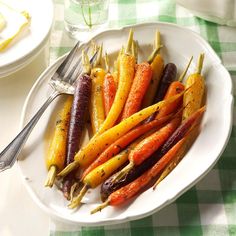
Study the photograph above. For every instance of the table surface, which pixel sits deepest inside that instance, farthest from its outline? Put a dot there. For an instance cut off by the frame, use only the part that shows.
(210, 202)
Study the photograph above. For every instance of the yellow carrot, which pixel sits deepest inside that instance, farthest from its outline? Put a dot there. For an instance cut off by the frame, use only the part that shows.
(96, 109)
(195, 85)
(126, 75)
(56, 155)
(157, 65)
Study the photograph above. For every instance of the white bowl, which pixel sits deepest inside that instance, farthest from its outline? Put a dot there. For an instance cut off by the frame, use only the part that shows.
(180, 44)
(218, 11)
(29, 46)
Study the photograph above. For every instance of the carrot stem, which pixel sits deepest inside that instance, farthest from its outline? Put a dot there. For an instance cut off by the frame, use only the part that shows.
(51, 176)
(200, 63)
(128, 49)
(77, 200)
(157, 41)
(69, 168)
(123, 172)
(100, 207)
(185, 71)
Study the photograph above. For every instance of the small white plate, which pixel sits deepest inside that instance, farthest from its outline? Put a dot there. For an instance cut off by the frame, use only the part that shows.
(180, 44)
(27, 47)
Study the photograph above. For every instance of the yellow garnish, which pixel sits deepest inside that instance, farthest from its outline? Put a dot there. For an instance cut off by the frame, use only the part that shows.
(6, 42)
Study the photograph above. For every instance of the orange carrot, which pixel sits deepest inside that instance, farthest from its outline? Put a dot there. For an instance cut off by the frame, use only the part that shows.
(149, 145)
(142, 78)
(124, 141)
(174, 88)
(121, 195)
(109, 92)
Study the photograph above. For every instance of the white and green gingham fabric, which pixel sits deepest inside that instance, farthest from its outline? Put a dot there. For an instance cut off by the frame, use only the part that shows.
(209, 208)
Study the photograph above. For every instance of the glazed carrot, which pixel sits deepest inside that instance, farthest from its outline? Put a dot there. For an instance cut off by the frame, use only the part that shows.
(79, 111)
(139, 87)
(184, 128)
(96, 108)
(157, 65)
(115, 72)
(114, 183)
(123, 141)
(180, 154)
(126, 75)
(104, 171)
(109, 89)
(55, 158)
(97, 145)
(193, 98)
(174, 88)
(149, 145)
(99, 174)
(121, 195)
(167, 78)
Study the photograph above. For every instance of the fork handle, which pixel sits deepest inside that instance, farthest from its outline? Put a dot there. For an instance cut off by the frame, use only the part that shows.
(9, 155)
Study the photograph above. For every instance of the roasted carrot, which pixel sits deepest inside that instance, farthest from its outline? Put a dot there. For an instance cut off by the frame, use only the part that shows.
(157, 65)
(142, 78)
(113, 183)
(116, 66)
(193, 98)
(79, 110)
(121, 195)
(103, 171)
(174, 88)
(109, 88)
(167, 78)
(96, 109)
(124, 141)
(149, 145)
(98, 144)
(99, 174)
(56, 156)
(184, 128)
(191, 136)
(126, 75)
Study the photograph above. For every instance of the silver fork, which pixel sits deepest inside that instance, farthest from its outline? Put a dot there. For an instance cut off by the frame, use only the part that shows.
(62, 82)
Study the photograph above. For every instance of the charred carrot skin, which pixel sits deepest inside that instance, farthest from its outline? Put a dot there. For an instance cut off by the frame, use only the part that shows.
(109, 92)
(124, 141)
(110, 185)
(142, 78)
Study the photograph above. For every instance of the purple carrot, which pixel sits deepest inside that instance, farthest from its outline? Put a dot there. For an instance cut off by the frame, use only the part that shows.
(78, 116)
(169, 75)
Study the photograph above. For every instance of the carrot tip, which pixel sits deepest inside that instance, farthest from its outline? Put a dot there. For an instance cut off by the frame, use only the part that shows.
(100, 207)
(51, 176)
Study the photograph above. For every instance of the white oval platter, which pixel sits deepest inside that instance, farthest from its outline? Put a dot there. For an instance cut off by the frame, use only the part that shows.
(179, 45)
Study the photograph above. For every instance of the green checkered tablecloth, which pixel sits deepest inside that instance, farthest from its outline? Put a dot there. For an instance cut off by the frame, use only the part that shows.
(209, 208)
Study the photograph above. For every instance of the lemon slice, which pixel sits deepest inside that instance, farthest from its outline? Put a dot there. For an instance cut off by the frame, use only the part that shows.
(17, 23)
